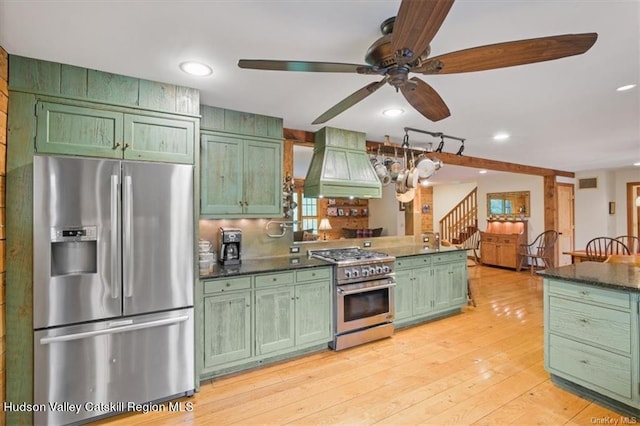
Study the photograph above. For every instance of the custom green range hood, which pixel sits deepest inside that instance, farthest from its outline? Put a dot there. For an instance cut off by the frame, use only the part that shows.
(340, 167)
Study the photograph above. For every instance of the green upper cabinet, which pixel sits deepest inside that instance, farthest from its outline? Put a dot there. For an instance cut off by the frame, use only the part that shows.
(241, 164)
(240, 176)
(101, 132)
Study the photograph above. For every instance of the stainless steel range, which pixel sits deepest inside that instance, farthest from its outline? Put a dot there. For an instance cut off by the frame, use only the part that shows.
(364, 291)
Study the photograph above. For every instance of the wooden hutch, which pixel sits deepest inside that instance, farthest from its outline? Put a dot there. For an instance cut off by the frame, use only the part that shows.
(500, 243)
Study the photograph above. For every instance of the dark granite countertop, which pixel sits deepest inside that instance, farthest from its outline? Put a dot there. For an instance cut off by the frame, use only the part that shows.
(607, 275)
(283, 263)
(268, 264)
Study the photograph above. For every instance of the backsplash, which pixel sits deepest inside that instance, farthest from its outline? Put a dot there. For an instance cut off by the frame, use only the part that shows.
(255, 241)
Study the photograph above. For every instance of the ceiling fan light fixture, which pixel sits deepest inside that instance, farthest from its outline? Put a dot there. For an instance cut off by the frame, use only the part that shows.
(501, 136)
(625, 87)
(196, 68)
(392, 112)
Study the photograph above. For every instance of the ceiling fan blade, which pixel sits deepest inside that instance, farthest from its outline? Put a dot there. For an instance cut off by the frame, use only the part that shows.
(508, 54)
(417, 23)
(265, 64)
(425, 100)
(349, 101)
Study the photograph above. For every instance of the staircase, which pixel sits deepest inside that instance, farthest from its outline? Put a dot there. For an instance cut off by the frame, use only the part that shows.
(462, 220)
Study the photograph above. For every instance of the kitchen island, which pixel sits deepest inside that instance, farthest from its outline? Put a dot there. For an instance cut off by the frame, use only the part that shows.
(271, 309)
(591, 332)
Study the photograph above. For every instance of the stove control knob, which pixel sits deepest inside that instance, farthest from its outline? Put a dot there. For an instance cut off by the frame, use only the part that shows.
(372, 271)
(379, 269)
(356, 273)
(365, 272)
(386, 269)
(347, 273)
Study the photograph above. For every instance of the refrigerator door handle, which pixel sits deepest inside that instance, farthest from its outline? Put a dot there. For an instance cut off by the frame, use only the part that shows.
(128, 236)
(116, 259)
(122, 329)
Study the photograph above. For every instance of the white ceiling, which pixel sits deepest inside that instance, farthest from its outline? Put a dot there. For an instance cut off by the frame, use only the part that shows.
(563, 114)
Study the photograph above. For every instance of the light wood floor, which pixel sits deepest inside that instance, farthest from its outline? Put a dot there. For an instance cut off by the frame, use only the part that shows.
(483, 367)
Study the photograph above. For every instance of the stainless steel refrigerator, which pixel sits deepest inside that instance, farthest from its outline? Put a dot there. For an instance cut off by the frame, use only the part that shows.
(113, 285)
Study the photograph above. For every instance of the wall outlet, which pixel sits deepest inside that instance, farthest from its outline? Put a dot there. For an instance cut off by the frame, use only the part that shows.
(367, 243)
(294, 249)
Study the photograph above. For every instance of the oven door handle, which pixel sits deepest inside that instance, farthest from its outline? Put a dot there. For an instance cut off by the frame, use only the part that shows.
(365, 289)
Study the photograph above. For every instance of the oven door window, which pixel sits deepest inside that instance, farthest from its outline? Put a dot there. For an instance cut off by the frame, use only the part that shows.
(367, 304)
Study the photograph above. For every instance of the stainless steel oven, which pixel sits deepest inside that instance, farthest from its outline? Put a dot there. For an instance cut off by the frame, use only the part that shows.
(364, 306)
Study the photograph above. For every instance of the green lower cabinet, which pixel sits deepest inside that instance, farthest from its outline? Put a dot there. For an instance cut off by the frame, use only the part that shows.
(249, 320)
(429, 286)
(313, 313)
(403, 294)
(423, 291)
(274, 319)
(591, 340)
(227, 331)
(99, 131)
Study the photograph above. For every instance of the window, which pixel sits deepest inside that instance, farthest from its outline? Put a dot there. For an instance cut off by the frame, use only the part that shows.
(306, 212)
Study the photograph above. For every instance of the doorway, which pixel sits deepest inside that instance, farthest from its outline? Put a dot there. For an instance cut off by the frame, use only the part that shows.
(565, 222)
(633, 208)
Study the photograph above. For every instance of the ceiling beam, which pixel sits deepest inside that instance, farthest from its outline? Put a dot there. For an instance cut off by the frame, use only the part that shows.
(302, 137)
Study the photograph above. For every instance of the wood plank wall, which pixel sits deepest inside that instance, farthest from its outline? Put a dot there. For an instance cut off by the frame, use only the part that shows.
(4, 103)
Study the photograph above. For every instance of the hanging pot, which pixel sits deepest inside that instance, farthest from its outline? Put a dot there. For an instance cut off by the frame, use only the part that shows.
(401, 182)
(407, 196)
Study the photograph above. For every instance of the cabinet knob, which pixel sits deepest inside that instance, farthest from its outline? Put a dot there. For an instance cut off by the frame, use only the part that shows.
(126, 145)
(116, 145)
(228, 284)
(275, 279)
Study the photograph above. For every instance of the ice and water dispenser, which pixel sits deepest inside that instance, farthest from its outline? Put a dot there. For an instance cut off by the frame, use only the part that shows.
(74, 250)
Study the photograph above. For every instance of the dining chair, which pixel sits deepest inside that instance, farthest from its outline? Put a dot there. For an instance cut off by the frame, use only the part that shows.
(628, 259)
(599, 248)
(540, 249)
(632, 243)
(472, 243)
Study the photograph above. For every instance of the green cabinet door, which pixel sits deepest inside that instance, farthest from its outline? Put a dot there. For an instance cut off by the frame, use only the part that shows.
(422, 291)
(220, 175)
(459, 283)
(313, 313)
(262, 177)
(403, 294)
(240, 176)
(441, 286)
(227, 328)
(274, 319)
(158, 139)
(74, 130)
(96, 132)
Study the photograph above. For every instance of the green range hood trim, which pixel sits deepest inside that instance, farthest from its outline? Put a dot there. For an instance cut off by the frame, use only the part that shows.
(340, 167)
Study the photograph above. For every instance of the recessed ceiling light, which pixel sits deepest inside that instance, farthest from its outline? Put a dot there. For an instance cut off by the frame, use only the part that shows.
(393, 112)
(637, 164)
(502, 136)
(482, 172)
(196, 68)
(627, 87)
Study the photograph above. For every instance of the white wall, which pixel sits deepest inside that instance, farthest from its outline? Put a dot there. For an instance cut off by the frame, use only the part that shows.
(592, 205)
(384, 212)
(445, 197)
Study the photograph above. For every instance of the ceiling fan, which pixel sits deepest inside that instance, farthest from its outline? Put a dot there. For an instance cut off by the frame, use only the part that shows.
(404, 48)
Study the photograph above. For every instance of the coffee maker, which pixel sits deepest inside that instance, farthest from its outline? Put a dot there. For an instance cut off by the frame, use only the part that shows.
(229, 246)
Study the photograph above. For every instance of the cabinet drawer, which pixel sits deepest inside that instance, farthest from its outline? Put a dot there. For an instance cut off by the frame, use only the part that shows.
(595, 324)
(449, 257)
(606, 370)
(489, 238)
(591, 294)
(227, 284)
(274, 279)
(413, 262)
(508, 240)
(313, 274)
